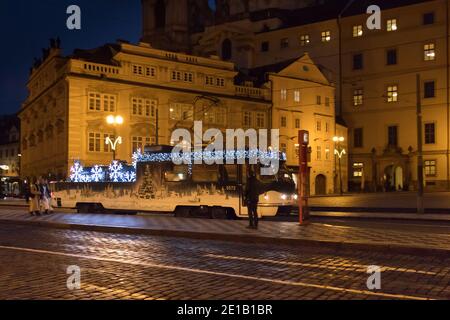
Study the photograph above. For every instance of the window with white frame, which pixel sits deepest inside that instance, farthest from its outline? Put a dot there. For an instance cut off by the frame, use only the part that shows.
(327, 153)
(358, 31)
(215, 115)
(430, 167)
(319, 153)
(182, 76)
(318, 126)
(358, 97)
(304, 40)
(214, 81)
(177, 75)
(392, 93)
(284, 94)
(95, 102)
(139, 143)
(319, 100)
(326, 36)
(101, 102)
(297, 124)
(358, 168)
(142, 70)
(181, 111)
(247, 118)
(107, 147)
(260, 120)
(297, 95)
(138, 69)
(391, 25)
(429, 51)
(150, 72)
(94, 143)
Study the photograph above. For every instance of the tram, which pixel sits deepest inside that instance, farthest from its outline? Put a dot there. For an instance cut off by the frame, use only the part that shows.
(188, 190)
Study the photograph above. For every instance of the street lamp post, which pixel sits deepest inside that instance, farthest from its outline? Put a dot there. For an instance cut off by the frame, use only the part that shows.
(114, 121)
(340, 152)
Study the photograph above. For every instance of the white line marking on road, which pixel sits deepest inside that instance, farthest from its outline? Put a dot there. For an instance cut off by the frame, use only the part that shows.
(222, 274)
(311, 265)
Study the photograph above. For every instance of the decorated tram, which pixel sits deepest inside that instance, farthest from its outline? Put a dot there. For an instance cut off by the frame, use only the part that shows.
(154, 183)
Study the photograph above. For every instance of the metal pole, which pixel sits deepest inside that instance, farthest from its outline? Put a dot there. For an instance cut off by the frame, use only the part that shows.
(157, 126)
(340, 175)
(300, 178)
(420, 182)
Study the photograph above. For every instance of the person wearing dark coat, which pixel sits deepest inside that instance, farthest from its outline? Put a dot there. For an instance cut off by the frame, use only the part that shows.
(252, 197)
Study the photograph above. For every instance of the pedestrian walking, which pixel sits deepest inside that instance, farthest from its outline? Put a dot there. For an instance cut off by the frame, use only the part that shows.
(34, 197)
(45, 199)
(252, 197)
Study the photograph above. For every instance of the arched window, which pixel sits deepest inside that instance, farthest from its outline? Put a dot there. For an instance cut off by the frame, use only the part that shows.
(160, 14)
(227, 49)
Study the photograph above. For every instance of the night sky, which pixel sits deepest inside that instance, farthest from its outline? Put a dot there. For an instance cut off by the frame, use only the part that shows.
(26, 27)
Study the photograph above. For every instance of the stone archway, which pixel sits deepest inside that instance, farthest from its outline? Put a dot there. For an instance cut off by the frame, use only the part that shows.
(394, 178)
(321, 185)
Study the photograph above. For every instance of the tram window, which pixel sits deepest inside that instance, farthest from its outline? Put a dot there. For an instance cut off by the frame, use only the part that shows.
(270, 177)
(232, 172)
(205, 173)
(178, 174)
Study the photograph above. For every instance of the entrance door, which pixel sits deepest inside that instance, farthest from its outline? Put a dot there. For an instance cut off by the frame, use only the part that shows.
(399, 178)
(321, 185)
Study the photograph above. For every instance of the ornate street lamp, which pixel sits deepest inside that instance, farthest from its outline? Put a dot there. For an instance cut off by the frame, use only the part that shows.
(340, 152)
(114, 121)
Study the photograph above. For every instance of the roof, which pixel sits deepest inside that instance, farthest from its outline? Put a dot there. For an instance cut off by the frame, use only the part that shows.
(6, 123)
(259, 75)
(341, 121)
(331, 9)
(102, 55)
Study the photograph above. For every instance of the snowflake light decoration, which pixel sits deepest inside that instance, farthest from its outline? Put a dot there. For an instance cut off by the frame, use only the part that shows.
(97, 174)
(136, 157)
(115, 171)
(129, 176)
(77, 174)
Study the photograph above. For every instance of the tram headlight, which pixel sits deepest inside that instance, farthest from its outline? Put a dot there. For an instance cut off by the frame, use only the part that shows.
(266, 197)
(295, 196)
(284, 196)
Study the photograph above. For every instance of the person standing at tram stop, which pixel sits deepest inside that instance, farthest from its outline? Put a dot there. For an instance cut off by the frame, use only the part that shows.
(252, 197)
(34, 197)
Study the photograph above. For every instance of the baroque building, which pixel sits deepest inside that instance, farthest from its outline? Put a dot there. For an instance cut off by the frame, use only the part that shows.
(374, 73)
(9, 155)
(154, 91)
(157, 91)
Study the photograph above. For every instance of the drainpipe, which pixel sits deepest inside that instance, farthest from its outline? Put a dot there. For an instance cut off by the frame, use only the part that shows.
(448, 93)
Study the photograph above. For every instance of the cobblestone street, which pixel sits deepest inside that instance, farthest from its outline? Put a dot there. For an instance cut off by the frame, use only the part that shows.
(35, 261)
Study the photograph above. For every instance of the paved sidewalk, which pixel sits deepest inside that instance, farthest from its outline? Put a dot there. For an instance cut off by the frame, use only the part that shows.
(327, 213)
(384, 216)
(315, 234)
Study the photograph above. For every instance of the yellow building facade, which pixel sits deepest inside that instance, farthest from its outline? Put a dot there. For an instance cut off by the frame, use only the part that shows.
(374, 73)
(155, 92)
